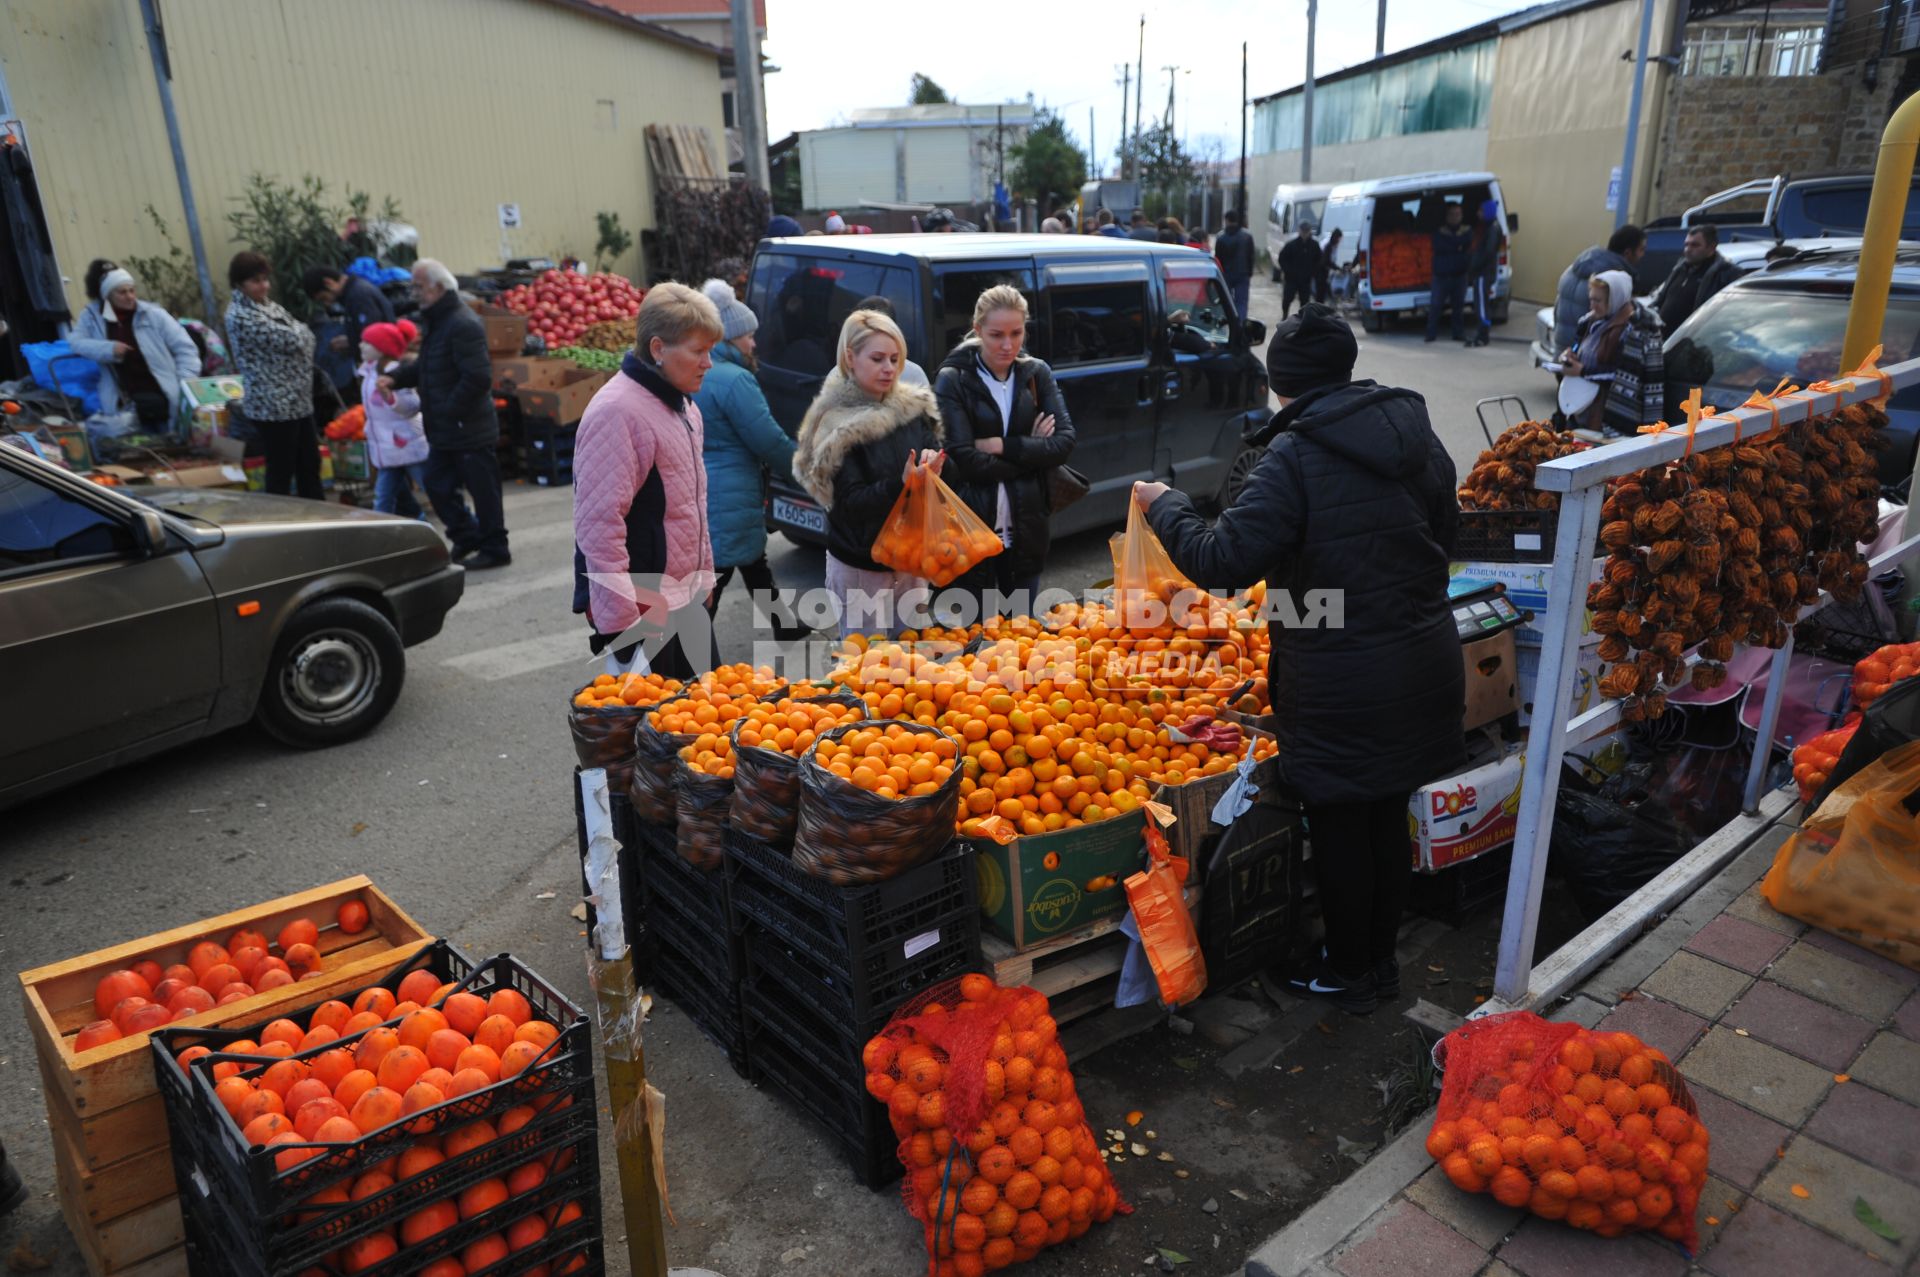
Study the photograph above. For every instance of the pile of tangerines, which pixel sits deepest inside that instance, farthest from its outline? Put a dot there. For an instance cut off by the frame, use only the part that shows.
(610, 691)
(417, 1048)
(1600, 1133)
(148, 995)
(1020, 1174)
(890, 760)
(790, 725)
(711, 703)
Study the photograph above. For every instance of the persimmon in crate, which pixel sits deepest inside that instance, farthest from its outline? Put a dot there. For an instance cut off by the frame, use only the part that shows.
(931, 533)
(1597, 1129)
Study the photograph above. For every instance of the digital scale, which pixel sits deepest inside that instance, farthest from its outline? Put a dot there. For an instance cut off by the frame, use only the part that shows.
(1485, 619)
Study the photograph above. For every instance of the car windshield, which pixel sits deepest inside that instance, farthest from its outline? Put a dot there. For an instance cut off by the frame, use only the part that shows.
(1747, 339)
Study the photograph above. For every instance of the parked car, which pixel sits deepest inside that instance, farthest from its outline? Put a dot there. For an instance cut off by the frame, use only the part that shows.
(1100, 310)
(137, 619)
(1789, 320)
(1387, 226)
(1789, 209)
(1290, 206)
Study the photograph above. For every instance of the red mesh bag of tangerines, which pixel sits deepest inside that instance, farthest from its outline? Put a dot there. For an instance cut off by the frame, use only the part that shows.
(1000, 1160)
(1596, 1129)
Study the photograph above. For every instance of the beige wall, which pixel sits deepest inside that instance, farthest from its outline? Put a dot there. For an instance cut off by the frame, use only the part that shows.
(1557, 127)
(450, 106)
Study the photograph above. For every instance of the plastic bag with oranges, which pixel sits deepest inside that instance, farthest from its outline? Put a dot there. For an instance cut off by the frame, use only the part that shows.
(932, 533)
(767, 745)
(601, 718)
(1146, 585)
(1596, 1129)
(876, 799)
(1000, 1160)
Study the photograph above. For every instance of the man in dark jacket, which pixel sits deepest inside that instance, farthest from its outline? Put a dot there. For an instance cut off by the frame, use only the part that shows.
(1233, 249)
(1483, 269)
(1299, 263)
(455, 381)
(1624, 250)
(359, 301)
(1451, 245)
(1699, 274)
(1142, 229)
(1349, 517)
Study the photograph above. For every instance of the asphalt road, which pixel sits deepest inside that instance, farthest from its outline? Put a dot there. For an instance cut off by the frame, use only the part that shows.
(458, 806)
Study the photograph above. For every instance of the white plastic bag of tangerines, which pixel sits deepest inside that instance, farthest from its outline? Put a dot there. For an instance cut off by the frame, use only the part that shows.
(1000, 1161)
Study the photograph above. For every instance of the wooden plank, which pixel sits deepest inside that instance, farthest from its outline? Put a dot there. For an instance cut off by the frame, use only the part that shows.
(1014, 968)
(120, 1243)
(103, 1138)
(1081, 966)
(118, 1188)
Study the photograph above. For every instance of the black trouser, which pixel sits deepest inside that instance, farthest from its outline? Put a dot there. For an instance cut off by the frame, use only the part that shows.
(669, 661)
(1291, 288)
(292, 450)
(759, 580)
(1363, 868)
(484, 528)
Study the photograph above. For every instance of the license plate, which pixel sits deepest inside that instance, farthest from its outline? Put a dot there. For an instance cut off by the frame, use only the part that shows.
(796, 515)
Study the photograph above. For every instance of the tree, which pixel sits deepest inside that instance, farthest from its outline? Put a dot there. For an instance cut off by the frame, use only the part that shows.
(924, 92)
(1165, 167)
(1047, 166)
(297, 226)
(614, 240)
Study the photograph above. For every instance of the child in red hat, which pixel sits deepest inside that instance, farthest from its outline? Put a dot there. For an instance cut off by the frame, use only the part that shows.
(396, 441)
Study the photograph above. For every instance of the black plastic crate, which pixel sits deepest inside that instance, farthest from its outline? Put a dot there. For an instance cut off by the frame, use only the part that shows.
(700, 895)
(702, 981)
(543, 434)
(855, 919)
(855, 1122)
(237, 1196)
(834, 1048)
(877, 982)
(1506, 536)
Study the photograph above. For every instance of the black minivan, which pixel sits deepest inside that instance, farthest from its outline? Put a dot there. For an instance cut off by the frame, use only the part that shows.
(1150, 398)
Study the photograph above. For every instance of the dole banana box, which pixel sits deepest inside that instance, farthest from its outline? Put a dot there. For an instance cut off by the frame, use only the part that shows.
(1468, 815)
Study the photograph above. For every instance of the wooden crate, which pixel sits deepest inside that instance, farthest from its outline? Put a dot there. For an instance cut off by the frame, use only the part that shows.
(1192, 803)
(108, 1125)
(1059, 966)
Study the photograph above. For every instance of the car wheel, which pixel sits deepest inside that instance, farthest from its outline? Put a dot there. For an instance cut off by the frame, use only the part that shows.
(1373, 320)
(1243, 463)
(336, 671)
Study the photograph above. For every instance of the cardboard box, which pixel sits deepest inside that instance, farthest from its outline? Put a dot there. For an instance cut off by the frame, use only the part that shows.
(506, 331)
(1456, 819)
(531, 372)
(565, 403)
(350, 460)
(1493, 678)
(1582, 696)
(225, 471)
(215, 392)
(1028, 902)
(1527, 586)
(209, 423)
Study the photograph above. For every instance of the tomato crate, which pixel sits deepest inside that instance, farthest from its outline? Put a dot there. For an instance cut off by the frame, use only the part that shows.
(876, 985)
(844, 922)
(263, 1218)
(702, 979)
(853, 1120)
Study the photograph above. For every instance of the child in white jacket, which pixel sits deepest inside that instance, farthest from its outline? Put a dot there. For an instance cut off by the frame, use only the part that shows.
(396, 441)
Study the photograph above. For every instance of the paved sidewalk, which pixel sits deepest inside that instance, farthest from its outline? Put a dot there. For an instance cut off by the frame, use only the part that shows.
(1803, 1052)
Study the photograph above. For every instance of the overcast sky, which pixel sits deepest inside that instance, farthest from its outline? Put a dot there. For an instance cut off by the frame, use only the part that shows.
(834, 59)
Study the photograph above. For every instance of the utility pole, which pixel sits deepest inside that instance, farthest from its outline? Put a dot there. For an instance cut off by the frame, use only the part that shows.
(749, 111)
(1140, 81)
(1093, 153)
(163, 76)
(1126, 83)
(1242, 206)
(1380, 31)
(1171, 71)
(1633, 114)
(1306, 100)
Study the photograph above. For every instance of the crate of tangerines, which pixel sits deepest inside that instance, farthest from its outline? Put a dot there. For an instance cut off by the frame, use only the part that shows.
(1594, 1128)
(441, 1122)
(707, 706)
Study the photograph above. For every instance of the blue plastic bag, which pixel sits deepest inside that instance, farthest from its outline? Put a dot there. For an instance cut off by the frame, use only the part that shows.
(374, 273)
(55, 367)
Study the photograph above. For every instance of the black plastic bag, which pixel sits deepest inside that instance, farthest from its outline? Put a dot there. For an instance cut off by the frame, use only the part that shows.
(701, 803)
(655, 754)
(1611, 838)
(1891, 721)
(849, 836)
(766, 782)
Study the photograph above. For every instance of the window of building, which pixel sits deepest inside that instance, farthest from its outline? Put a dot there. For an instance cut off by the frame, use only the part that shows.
(1778, 47)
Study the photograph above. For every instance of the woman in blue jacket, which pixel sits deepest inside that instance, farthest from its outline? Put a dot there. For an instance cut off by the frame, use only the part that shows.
(742, 442)
(145, 356)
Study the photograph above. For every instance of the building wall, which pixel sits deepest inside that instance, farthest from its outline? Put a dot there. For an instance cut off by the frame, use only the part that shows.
(1557, 127)
(847, 166)
(1358, 161)
(455, 107)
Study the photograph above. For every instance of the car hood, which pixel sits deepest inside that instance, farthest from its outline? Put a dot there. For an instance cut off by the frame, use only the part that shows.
(229, 507)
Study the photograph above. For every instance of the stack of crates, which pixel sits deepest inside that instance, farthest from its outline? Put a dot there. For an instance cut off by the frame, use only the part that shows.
(826, 968)
(546, 456)
(692, 950)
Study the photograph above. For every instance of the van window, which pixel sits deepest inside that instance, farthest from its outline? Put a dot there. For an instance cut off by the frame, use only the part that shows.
(1310, 211)
(1194, 287)
(1344, 217)
(955, 292)
(803, 301)
(1097, 321)
(1425, 211)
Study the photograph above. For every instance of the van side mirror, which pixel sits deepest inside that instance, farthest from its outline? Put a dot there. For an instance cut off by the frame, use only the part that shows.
(1513, 221)
(1256, 332)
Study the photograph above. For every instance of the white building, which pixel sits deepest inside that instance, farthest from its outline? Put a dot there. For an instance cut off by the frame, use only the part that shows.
(941, 154)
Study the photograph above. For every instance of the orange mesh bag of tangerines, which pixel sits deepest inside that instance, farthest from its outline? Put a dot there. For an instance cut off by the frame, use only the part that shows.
(1597, 1129)
(1000, 1161)
(931, 533)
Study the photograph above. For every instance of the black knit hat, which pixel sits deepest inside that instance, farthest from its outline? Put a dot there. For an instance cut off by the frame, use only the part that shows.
(1312, 348)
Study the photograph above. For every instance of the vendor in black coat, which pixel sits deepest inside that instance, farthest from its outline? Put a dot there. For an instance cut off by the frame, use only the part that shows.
(1354, 497)
(1006, 429)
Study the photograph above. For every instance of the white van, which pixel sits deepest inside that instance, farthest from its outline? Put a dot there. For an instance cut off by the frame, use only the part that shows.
(1386, 230)
(1291, 205)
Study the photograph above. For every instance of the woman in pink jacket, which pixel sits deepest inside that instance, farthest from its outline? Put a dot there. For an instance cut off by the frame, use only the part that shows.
(643, 565)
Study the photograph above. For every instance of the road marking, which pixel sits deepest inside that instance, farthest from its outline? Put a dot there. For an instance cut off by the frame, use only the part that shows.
(482, 598)
(509, 660)
(518, 539)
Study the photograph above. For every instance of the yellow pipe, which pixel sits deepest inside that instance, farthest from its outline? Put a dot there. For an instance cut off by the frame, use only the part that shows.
(1892, 177)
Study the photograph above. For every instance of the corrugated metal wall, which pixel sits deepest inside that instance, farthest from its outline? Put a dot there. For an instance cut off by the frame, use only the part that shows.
(1445, 91)
(452, 107)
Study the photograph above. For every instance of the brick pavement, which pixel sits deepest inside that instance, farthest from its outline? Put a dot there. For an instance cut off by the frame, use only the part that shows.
(1803, 1052)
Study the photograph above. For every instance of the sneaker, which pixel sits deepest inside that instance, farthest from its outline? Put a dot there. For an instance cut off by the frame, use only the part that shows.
(481, 559)
(1386, 979)
(1320, 980)
(13, 1191)
(1432, 338)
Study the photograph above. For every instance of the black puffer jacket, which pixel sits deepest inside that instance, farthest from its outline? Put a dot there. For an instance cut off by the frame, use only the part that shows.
(454, 377)
(851, 457)
(1354, 494)
(968, 411)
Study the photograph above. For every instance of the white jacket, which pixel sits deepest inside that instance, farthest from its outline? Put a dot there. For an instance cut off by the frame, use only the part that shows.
(395, 436)
(169, 352)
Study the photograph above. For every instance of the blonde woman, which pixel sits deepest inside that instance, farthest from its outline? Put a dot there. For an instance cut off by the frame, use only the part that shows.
(640, 486)
(1006, 427)
(865, 433)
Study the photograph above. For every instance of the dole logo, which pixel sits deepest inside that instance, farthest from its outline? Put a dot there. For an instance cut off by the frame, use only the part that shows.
(1459, 801)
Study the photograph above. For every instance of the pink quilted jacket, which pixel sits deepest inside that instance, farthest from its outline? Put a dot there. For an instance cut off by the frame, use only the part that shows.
(626, 437)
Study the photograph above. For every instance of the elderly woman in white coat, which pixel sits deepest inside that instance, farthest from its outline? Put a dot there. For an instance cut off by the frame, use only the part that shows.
(145, 356)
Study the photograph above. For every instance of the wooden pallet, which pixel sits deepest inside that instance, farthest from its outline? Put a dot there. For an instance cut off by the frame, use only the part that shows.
(682, 152)
(1065, 964)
